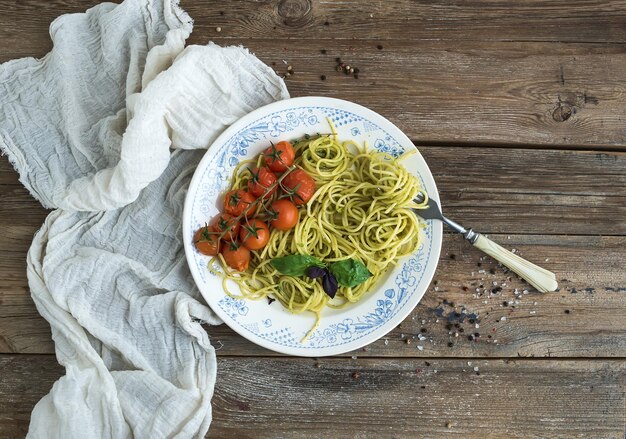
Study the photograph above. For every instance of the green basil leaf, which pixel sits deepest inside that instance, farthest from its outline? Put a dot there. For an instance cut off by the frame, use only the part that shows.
(296, 265)
(350, 272)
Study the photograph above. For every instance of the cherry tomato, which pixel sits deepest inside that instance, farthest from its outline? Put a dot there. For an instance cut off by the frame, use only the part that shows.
(206, 241)
(300, 186)
(280, 156)
(286, 214)
(236, 256)
(226, 223)
(237, 201)
(262, 179)
(254, 234)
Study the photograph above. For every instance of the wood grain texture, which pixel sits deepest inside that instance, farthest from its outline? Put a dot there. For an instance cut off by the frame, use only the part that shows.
(491, 190)
(483, 87)
(24, 380)
(344, 398)
(503, 87)
(494, 93)
(584, 319)
(477, 20)
(491, 20)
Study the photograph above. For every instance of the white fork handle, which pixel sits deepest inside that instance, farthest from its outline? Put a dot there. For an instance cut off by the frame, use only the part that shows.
(540, 278)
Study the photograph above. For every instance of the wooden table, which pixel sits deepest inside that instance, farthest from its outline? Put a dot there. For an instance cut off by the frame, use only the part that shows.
(519, 107)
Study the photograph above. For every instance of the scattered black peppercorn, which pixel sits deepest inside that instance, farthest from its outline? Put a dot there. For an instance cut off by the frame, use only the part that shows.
(478, 373)
(453, 256)
(426, 363)
(346, 69)
(450, 344)
(423, 330)
(323, 51)
(326, 23)
(489, 336)
(470, 337)
(323, 77)
(567, 311)
(492, 271)
(496, 290)
(461, 330)
(505, 303)
(476, 334)
(464, 288)
(422, 387)
(449, 326)
(379, 47)
(480, 264)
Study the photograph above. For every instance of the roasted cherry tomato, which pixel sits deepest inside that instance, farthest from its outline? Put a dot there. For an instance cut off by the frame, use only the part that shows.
(206, 240)
(236, 256)
(300, 186)
(262, 179)
(284, 214)
(226, 223)
(254, 234)
(280, 156)
(237, 201)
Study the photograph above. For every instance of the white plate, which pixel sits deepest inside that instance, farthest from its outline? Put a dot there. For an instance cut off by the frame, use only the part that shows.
(272, 326)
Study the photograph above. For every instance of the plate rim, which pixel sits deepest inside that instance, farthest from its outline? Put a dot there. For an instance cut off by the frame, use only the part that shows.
(314, 101)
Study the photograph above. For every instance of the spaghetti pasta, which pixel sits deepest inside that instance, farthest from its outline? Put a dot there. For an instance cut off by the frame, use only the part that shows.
(360, 210)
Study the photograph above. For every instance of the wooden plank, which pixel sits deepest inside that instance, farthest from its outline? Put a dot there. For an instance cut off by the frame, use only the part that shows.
(527, 191)
(492, 20)
(18, 207)
(407, 399)
(24, 380)
(493, 93)
(503, 89)
(584, 319)
(280, 397)
(477, 20)
(494, 191)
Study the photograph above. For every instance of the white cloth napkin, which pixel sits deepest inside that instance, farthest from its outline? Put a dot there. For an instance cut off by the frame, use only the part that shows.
(90, 128)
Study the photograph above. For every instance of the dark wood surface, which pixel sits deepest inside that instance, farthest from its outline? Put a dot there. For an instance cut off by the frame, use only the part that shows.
(519, 108)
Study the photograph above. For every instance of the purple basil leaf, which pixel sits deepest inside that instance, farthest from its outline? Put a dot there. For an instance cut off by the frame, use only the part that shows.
(315, 272)
(330, 285)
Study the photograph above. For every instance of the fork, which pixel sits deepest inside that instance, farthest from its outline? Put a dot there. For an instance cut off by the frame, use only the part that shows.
(540, 278)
